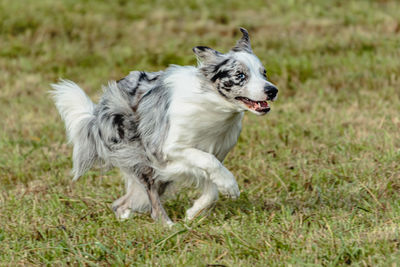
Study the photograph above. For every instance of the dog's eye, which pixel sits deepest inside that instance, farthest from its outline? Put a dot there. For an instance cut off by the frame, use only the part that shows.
(240, 76)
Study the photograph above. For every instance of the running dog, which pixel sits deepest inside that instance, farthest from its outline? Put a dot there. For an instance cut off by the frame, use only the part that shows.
(168, 128)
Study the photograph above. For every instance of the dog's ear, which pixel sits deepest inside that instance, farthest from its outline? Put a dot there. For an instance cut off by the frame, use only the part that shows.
(206, 54)
(243, 45)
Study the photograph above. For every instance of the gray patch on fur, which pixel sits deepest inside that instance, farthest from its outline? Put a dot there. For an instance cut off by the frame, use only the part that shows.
(128, 128)
(154, 122)
(137, 83)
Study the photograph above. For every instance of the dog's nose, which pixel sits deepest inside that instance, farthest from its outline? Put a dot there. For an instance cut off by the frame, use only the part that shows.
(271, 91)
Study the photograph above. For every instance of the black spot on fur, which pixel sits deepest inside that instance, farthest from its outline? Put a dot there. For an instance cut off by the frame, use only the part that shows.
(134, 89)
(130, 87)
(217, 67)
(134, 137)
(224, 95)
(220, 75)
(202, 48)
(124, 84)
(119, 123)
(162, 187)
(131, 130)
(237, 49)
(154, 78)
(142, 76)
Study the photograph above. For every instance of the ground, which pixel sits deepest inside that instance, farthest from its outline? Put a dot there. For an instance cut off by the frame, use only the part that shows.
(319, 175)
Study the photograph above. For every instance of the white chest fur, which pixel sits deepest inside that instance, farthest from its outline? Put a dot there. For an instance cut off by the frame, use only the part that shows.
(207, 131)
(200, 119)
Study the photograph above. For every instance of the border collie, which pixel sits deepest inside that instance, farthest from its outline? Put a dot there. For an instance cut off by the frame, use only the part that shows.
(168, 128)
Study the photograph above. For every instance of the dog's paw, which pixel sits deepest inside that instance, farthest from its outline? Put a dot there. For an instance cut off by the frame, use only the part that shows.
(122, 213)
(169, 224)
(191, 213)
(121, 209)
(231, 191)
(226, 183)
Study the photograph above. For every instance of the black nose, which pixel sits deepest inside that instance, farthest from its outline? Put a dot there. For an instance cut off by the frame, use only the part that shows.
(271, 91)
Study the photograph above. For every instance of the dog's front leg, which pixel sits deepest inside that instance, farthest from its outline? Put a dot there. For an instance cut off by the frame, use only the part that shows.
(215, 170)
(207, 198)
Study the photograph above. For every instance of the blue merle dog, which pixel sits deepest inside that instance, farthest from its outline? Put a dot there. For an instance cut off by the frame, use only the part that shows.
(169, 128)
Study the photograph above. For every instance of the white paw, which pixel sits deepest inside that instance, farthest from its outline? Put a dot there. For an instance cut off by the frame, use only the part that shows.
(226, 183)
(190, 214)
(122, 214)
(121, 210)
(169, 224)
(125, 214)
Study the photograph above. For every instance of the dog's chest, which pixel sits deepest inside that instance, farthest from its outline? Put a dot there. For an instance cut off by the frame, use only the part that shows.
(220, 138)
(211, 133)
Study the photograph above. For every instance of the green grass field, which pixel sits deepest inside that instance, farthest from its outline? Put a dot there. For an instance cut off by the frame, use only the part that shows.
(319, 175)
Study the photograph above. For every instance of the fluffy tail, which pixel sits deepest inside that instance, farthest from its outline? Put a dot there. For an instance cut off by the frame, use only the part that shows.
(77, 111)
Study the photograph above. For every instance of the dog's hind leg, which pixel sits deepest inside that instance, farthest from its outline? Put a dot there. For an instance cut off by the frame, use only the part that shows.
(208, 197)
(154, 189)
(135, 199)
(157, 210)
(142, 195)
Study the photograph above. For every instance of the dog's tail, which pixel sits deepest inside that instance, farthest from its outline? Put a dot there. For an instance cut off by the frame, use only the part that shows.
(77, 111)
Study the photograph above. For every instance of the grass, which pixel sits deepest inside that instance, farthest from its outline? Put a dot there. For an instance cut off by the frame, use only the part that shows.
(319, 175)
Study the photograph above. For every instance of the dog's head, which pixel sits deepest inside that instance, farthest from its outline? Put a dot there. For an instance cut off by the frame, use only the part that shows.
(238, 75)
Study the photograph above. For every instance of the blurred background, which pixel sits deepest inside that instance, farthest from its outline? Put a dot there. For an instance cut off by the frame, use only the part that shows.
(319, 175)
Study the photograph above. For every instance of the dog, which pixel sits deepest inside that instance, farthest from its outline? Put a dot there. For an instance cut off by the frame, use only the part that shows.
(169, 128)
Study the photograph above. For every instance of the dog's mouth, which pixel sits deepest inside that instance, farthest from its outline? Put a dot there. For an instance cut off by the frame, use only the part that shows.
(258, 106)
